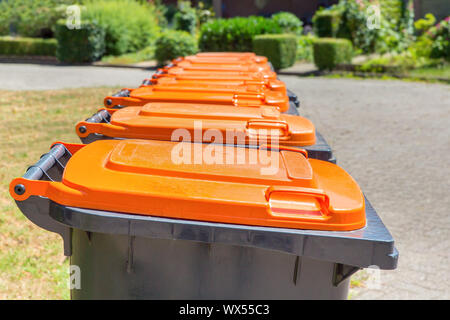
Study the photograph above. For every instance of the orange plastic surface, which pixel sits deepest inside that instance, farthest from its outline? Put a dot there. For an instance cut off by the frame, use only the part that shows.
(274, 85)
(159, 120)
(141, 177)
(241, 96)
(223, 58)
(176, 71)
(220, 67)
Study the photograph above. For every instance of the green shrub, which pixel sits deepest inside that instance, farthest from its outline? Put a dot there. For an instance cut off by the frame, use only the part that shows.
(129, 25)
(86, 44)
(440, 35)
(234, 34)
(27, 46)
(280, 49)
(326, 23)
(31, 18)
(329, 52)
(288, 22)
(185, 19)
(305, 47)
(173, 44)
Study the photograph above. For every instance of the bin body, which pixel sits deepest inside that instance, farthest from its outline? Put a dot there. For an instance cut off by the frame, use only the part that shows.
(123, 267)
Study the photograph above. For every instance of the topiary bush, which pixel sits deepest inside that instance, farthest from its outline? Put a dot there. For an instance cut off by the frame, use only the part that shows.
(173, 44)
(326, 23)
(27, 46)
(86, 44)
(234, 34)
(288, 22)
(329, 52)
(129, 25)
(280, 49)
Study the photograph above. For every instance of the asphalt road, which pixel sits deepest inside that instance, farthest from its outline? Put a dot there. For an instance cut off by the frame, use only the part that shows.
(392, 136)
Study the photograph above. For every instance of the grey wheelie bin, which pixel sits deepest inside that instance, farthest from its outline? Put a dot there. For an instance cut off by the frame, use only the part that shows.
(141, 227)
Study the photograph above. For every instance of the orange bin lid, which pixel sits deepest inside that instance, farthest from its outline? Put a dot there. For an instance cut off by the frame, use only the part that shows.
(176, 71)
(247, 95)
(274, 85)
(144, 177)
(223, 58)
(232, 55)
(159, 120)
(220, 67)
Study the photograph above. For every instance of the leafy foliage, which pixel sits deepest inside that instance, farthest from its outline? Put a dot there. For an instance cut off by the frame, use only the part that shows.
(288, 22)
(129, 25)
(234, 34)
(173, 44)
(86, 44)
(305, 47)
(280, 49)
(27, 46)
(30, 18)
(326, 23)
(185, 18)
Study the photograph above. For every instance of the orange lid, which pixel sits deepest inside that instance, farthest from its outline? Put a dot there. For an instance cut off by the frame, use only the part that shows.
(239, 96)
(211, 66)
(159, 120)
(274, 85)
(144, 177)
(174, 71)
(229, 55)
(223, 58)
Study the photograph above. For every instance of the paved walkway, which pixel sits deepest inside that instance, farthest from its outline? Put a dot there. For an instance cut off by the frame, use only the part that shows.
(15, 76)
(392, 136)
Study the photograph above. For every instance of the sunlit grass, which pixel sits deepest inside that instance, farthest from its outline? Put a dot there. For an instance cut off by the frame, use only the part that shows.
(32, 264)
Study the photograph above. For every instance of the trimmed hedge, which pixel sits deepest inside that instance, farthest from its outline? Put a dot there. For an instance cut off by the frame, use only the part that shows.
(27, 46)
(86, 44)
(235, 34)
(173, 44)
(329, 52)
(326, 23)
(280, 49)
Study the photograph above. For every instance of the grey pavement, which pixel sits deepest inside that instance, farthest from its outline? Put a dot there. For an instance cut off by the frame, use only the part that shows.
(15, 76)
(392, 136)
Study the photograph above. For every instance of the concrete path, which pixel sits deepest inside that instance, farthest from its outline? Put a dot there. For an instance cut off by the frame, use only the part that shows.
(15, 76)
(394, 138)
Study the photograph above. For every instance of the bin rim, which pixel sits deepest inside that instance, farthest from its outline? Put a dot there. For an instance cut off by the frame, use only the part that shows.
(370, 246)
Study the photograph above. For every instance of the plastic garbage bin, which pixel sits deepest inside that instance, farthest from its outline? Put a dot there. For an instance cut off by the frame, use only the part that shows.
(219, 67)
(142, 227)
(225, 58)
(177, 71)
(242, 96)
(159, 120)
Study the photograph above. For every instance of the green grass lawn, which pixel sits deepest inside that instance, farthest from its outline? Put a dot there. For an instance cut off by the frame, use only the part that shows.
(442, 72)
(32, 264)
